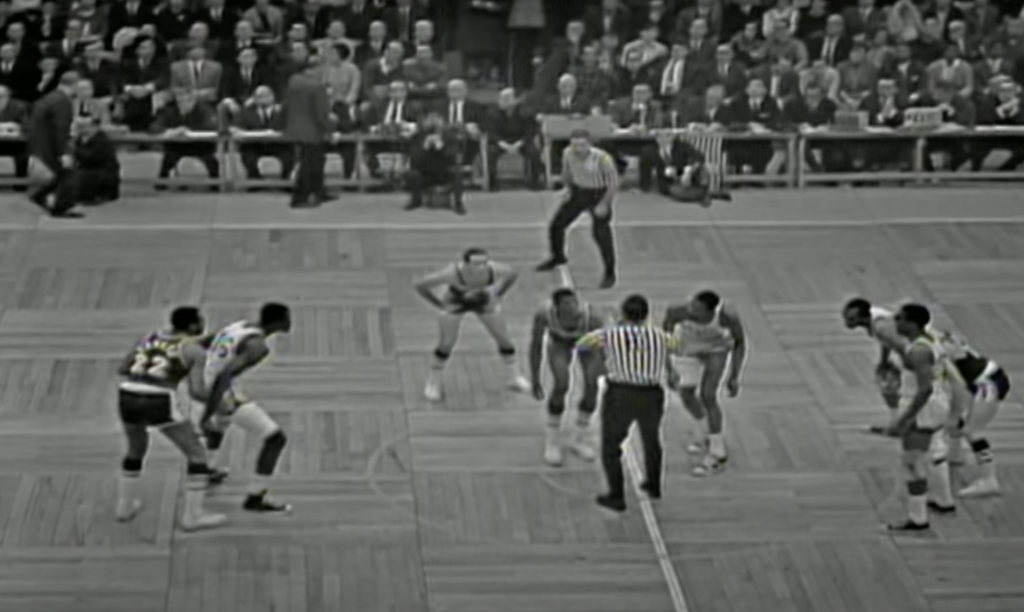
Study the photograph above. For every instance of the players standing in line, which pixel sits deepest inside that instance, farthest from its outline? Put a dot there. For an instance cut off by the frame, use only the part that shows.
(881, 325)
(989, 385)
(924, 416)
(712, 347)
(234, 350)
(558, 326)
(476, 285)
(148, 397)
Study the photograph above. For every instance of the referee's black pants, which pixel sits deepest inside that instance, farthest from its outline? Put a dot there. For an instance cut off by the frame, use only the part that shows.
(579, 202)
(623, 404)
(309, 180)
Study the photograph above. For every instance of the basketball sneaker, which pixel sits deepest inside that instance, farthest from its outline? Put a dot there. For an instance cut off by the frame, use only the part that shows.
(710, 465)
(983, 487)
(552, 447)
(433, 391)
(202, 521)
(127, 509)
(583, 445)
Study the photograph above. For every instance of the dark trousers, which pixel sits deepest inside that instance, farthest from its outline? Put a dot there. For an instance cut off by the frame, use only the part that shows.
(531, 157)
(62, 185)
(579, 202)
(19, 153)
(309, 181)
(175, 152)
(251, 155)
(624, 404)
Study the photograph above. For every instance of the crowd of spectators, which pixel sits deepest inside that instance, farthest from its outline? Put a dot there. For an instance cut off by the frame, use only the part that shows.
(733, 65)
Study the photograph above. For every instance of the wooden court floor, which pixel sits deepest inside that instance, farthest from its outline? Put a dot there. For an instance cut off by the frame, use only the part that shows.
(402, 506)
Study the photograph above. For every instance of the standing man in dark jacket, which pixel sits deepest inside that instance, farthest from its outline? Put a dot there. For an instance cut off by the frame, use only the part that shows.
(49, 144)
(307, 112)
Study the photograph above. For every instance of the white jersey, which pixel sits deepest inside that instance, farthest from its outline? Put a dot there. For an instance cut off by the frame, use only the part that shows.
(696, 339)
(934, 413)
(880, 314)
(225, 346)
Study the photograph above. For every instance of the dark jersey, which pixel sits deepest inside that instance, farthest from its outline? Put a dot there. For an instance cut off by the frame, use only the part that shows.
(158, 361)
(969, 363)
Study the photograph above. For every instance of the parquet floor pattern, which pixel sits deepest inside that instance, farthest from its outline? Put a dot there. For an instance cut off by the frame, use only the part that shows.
(404, 506)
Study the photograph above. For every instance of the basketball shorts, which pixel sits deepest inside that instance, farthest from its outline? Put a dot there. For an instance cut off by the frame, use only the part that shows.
(934, 414)
(148, 409)
(991, 387)
(690, 369)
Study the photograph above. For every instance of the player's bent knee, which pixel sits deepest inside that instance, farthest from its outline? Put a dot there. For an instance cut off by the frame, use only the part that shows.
(131, 465)
(269, 455)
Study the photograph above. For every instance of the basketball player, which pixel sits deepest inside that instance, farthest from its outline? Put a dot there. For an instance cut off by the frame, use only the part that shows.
(559, 325)
(712, 347)
(926, 413)
(235, 350)
(988, 385)
(881, 325)
(476, 285)
(148, 398)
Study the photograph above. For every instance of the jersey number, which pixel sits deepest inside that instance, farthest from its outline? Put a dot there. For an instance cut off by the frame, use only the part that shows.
(156, 367)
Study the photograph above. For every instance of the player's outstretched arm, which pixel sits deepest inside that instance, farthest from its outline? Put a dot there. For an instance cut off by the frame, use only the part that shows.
(540, 327)
(251, 352)
(426, 286)
(732, 321)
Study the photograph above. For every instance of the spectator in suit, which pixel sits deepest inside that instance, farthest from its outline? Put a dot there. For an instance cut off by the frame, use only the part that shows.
(68, 47)
(358, 15)
(93, 18)
(198, 36)
(669, 165)
(464, 115)
(931, 44)
(728, 72)
(592, 82)
(651, 50)
(241, 79)
(17, 77)
(220, 19)
(49, 135)
(708, 11)
(143, 76)
(87, 105)
(13, 115)
(1004, 109)
(173, 21)
(267, 22)
(957, 110)
(99, 70)
(401, 19)
(782, 44)
(26, 51)
(969, 49)
(702, 45)
(736, 15)
(308, 125)
(426, 76)
(983, 19)
(884, 105)
(128, 14)
(374, 46)
(951, 69)
(945, 13)
(782, 81)
(713, 112)
(678, 76)
(755, 112)
(425, 35)
(336, 35)
(394, 116)
(187, 114)
(631, 74)
(293, 62)
(834, 47)
(244, 38)
(865, 19)
(197, 74)
(510, 131)
(97, 169)
(658, 16)
(751, 50)
(815, 111)
(994, 63)
(378, 74)
(813, 21)
(565, 55)
(640, 114)
(49, 26)
(908, 73)
(262, 114)
(881, 54)
(49, 76)
(608, 17)
(857, 78)
(313, 14)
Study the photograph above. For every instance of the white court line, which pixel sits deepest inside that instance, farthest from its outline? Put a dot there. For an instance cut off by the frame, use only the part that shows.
(675, 588)
(76, 226)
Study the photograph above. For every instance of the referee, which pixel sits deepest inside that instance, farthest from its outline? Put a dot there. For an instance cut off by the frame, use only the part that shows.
(635, 352)
(591, 182)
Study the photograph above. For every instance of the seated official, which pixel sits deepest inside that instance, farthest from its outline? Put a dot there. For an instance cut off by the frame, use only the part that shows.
(510, 131)
(672, 165)
(395, 118)
(262, 114)
(241, 80)
(13, 114)
(97, 169)
(755, 112)
(816, 112)
(885, 108)
(141, 77)
(957, 111)
(433, 162)
(1002, 109)
(465, 116)
(638, 114)
(176, 121)
(346, 122)
(426, 75)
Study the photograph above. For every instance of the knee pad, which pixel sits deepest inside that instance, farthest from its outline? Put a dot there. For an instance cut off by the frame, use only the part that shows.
(273, 446)
(507, 351)
(917, 487)
(131, 466)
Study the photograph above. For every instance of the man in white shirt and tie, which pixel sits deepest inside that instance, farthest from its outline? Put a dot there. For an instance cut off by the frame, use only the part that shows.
(464, 114)
(396, 117)
(263, 115)
(673, 74)
(834, 48)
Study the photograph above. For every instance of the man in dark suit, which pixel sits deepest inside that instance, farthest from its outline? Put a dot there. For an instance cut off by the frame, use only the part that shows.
(13, 114)
(263, 115)
(97, 169)
(373, 46)
(49, 137)
(127, 14)
(511, 131)
(307, 123)
(834, 47)
(713, 112)
(466, 116)
(17, 75)
(679, 77)
(402, 18)
(729, 72)
(395, 118)
(755, 111)
(865, 18)
(609, 17)
(141, 77)
(186, 115)
(358, 15)
(665, 164)
(242, 78)
(67, 48)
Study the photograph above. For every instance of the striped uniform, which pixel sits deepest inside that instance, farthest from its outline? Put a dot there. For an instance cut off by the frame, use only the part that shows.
(596, 171)
(635, 355)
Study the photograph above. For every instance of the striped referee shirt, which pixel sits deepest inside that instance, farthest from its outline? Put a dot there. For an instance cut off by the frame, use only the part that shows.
(596, 170)
(634, 354)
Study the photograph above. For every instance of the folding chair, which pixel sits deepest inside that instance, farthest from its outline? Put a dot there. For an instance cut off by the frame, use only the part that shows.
(715, 162)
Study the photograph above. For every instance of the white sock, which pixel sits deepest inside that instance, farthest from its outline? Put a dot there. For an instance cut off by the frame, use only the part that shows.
(554, 422)
(987, 471)
(128, 485)
(702, 429)
(717, 445)
(195, 496)
(940, 484)
(259, 485)
(917, 509)
(582, 422)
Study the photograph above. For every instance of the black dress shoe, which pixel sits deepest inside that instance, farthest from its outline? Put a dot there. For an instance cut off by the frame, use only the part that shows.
(459, 208)
(938, 508)
(551, 264)
(40, 201)
(909, 525)
(616, 504)
(652, 491)
(67, 214)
